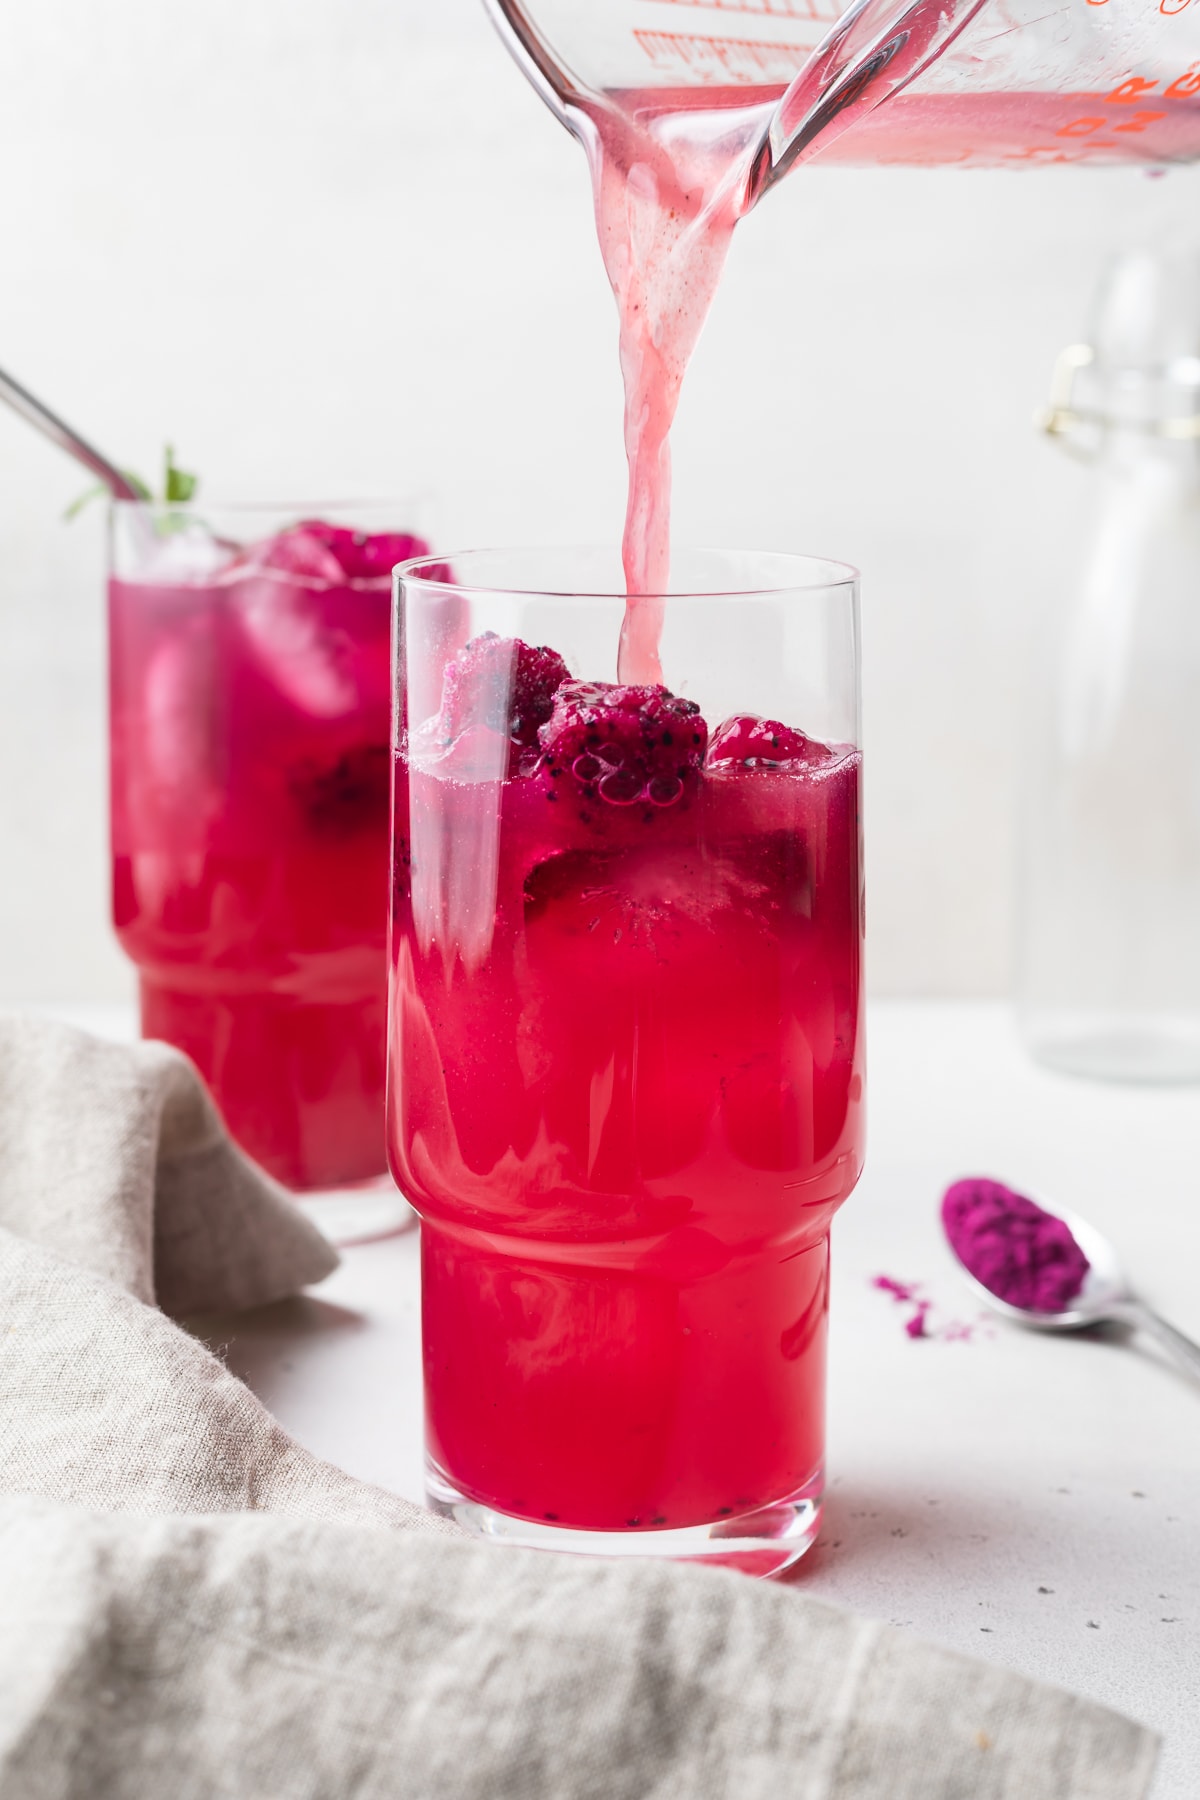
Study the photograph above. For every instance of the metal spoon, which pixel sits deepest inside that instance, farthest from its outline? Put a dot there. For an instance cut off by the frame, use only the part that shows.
(49, 423)
(1106, 1298)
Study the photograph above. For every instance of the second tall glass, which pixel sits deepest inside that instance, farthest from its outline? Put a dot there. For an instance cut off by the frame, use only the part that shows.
(250, 698)
(626, 1057)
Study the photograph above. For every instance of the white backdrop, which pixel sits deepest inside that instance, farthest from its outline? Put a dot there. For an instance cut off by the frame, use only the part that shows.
(336, 246)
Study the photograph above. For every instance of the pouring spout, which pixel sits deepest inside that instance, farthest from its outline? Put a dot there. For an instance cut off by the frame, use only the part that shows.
(876, 48)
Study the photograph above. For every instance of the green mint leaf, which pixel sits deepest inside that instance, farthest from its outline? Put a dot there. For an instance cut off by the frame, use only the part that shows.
(178, 485)
(85, 499)
(100, 492)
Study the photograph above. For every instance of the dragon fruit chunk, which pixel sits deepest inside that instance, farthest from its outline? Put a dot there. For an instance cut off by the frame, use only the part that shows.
(365, 556)
(622, 745)
(748, 742)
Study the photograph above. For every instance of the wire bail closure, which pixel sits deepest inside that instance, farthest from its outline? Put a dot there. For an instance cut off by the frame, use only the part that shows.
(1081, 429)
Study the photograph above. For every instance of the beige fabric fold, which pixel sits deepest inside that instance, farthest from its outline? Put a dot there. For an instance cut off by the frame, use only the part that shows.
(115, 1156)
(104, 1402)
(193, 1606)
(118, 1182)
(269, 1657)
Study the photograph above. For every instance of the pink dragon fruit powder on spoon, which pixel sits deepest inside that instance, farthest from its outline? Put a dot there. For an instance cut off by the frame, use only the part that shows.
(1022, 1254)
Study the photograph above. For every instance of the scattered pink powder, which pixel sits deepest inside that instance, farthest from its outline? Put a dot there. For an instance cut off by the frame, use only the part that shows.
(1020, 1253)
(915, 1326)
(919, 1324)
(899, 1290)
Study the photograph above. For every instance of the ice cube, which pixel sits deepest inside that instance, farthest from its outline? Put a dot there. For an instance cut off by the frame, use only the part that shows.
(302, 551)
(294, 636)
(170, 547)
(178, 721)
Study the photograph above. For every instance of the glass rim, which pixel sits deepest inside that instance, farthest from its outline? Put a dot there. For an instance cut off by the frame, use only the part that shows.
(311, 509)
(436, 571)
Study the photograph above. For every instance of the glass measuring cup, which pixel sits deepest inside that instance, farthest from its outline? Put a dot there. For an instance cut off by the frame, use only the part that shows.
(991, 83)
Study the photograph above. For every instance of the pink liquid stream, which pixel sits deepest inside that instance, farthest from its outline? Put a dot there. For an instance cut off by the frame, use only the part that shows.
(667, 201)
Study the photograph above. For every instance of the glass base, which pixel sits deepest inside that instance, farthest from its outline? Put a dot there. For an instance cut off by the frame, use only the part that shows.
(1149, 1050)
(760, 1543)
(360, 1214)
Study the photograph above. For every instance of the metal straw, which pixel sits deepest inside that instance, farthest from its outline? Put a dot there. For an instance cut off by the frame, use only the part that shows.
(51, 426)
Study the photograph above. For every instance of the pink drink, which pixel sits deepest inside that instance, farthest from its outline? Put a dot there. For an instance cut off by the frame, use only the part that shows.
(627, 1098)
(1012, 131)
(250, 708)
(983, 129)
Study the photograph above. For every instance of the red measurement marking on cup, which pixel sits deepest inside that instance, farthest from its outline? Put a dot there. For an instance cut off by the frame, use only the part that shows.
(1131, 92)
(1044, 153)
(742, 61)
(827, 11)
(1126, 92)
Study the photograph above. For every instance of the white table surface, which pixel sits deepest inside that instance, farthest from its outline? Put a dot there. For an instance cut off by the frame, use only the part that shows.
(1032, 1501)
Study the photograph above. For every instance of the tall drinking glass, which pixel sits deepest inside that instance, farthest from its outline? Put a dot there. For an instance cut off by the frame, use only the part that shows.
(250, 699)
(626, 1051)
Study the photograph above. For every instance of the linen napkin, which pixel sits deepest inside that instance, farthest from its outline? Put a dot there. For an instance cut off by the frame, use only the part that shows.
(192, 1605)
